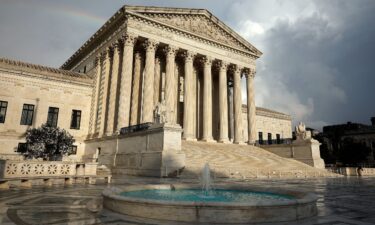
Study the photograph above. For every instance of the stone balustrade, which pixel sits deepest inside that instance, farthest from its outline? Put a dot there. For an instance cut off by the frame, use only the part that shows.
(27, 171)
(352, 171)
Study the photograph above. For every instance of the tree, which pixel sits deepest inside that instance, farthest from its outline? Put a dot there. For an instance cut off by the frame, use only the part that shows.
(48, 142)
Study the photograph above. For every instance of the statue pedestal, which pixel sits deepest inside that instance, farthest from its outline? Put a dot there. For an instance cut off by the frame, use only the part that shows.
(307, 151)
(155, 152)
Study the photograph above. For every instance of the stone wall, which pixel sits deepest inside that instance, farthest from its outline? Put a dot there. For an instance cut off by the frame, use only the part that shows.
(306, 151)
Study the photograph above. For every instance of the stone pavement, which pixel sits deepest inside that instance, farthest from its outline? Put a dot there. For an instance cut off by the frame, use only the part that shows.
(342, 201)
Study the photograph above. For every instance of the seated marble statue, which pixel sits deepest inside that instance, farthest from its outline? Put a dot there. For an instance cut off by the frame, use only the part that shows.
(301, 132)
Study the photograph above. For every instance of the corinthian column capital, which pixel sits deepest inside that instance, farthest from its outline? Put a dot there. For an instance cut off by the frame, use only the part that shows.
(189, 56)
(222, 65)
(251, 73)
(129, 39)
(150, 45)
(116, 45)
(170, 50)
(236, 69)
(207, 60)
(106, 53)
(97, 59)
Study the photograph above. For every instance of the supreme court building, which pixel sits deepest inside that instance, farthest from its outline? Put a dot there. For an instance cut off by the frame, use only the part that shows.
(185, 61)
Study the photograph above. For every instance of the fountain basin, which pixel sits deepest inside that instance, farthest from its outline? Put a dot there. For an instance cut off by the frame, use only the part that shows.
(287, 206)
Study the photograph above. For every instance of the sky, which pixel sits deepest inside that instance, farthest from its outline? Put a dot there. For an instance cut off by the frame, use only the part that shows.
(318, 56)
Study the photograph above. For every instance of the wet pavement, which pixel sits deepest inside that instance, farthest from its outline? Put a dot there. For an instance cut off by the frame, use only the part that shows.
(342, 201)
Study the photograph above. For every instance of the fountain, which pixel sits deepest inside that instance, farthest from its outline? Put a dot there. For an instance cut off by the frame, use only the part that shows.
(204, 204)
(206, 178)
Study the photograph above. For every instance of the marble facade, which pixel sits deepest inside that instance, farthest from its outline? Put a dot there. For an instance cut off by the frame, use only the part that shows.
(186, 59)
(190, 58)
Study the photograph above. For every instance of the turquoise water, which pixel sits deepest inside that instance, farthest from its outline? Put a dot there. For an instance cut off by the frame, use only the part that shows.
(196, 195)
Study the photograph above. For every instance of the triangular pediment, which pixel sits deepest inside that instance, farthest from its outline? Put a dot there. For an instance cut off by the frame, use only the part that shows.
(198, 22)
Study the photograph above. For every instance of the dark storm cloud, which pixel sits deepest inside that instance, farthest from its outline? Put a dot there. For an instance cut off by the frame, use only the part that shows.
(318, 59)
(318, 55)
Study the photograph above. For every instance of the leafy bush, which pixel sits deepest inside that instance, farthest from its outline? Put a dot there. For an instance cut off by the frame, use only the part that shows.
(48, 142)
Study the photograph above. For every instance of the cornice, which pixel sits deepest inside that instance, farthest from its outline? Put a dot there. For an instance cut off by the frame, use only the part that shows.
(259, 111)
(22, 69)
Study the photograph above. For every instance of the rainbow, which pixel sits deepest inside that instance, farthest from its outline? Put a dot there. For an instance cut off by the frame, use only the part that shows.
(74, 13)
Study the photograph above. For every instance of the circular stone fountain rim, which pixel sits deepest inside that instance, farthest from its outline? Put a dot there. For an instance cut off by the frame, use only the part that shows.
(300, 197)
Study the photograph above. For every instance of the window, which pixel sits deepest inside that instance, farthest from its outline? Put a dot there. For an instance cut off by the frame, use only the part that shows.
(3, 111)
(278, 140)
(269, 138)
(260, 136)
(75, 122)
(73, 150)
(27, 114)
(53, 114)
(22, 147)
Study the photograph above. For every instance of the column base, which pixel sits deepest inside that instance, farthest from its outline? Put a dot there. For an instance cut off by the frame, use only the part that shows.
(251, 142)
(189, 139)
(224, 141)
(239, 142)
(208, 140)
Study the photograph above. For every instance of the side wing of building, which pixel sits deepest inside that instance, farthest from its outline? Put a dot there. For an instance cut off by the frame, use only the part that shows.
(30, 94)
(269, 123)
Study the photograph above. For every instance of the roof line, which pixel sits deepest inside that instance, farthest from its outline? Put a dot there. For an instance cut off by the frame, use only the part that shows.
(65, 73)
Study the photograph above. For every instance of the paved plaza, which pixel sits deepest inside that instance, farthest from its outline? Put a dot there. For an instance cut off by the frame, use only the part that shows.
(342, 201)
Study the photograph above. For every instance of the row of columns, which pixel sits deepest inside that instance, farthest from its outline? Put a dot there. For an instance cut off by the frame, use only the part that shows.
(118, 86)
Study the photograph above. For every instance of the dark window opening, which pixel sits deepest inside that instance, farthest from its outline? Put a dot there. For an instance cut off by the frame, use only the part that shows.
(278, 140)
(53, 114)
(27, 114)
(260, 137)
(75, 122)
(73, 150)
(269, 138)
(22, 147)
(3, 111)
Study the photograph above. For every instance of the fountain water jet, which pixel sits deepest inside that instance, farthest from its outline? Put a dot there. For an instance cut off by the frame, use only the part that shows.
(206, 178)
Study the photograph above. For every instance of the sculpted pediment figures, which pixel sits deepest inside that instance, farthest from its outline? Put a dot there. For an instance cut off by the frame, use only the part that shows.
(199, 25)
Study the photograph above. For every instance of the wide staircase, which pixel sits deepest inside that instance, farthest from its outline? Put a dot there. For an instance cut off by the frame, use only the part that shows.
(242, 162)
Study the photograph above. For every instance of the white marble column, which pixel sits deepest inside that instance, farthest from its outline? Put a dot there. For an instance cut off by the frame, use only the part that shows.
(170, 94)
(223, 103)
(237, 103)
(189, 97)
(251, 126)
(123, 117)
(134, 115)
(112, 102)
(95, 100)
(107, 70)
(207, 100)
(148, 100)
(157, 82)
